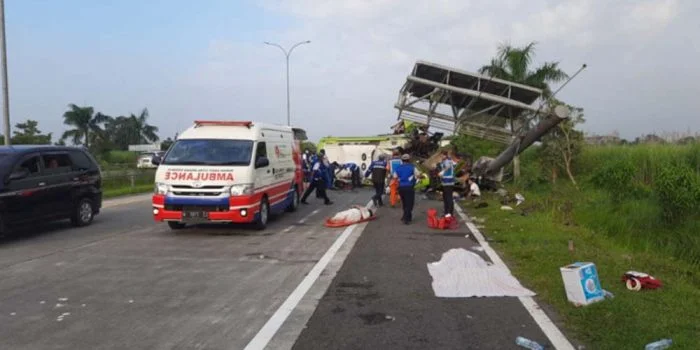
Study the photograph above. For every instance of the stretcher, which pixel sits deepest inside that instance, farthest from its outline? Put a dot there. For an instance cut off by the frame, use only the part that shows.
(355, 215)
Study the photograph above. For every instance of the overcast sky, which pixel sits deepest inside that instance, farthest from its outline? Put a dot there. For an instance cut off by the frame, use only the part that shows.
(187, 60)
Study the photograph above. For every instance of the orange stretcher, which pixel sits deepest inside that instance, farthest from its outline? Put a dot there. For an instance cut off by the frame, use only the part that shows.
(341, 223)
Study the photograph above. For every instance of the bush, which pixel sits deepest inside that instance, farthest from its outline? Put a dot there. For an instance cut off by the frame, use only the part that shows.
(678, 190)
(616, 178)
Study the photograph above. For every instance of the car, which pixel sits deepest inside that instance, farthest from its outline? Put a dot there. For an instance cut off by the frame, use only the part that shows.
(146, 160)
(229, 172)
(41, 183)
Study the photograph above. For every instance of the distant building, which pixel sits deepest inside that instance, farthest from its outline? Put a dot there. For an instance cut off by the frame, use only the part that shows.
(599, 140)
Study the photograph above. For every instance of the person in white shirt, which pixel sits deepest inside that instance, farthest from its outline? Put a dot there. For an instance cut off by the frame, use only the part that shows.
(474, 191)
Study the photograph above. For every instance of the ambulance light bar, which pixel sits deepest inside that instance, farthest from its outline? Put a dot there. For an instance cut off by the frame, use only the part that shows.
(247, 124)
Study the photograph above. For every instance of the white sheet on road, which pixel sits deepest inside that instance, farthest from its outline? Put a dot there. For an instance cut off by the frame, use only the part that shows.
(462, 274)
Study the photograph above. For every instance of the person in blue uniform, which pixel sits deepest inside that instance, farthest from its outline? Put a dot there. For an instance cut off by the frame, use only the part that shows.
(447, 178)
(378, 170)
(354, 174)
(318, 183)
(406, 175)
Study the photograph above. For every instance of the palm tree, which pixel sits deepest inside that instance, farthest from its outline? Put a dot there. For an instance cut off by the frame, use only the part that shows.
(513, 64)
(84, 122)
(140, 127)
(131, 130)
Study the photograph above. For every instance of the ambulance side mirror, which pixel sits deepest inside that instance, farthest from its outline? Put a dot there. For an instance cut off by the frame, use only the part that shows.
(261, 162)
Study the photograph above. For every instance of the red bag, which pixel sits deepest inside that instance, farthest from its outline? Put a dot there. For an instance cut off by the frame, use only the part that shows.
(433, 221)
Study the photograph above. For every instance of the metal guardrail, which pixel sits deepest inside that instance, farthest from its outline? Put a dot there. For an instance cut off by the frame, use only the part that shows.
(127, 178)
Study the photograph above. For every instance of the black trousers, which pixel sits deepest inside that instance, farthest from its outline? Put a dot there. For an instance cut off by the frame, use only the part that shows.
(408, 196)
(378, 192)
(447, 199)
(356, 179)
(320, 186)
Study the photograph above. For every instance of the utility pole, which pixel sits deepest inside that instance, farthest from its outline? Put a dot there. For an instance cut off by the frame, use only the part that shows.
(286, 54)
(5, 89)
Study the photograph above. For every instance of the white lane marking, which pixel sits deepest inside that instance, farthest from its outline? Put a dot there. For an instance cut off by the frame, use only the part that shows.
(268, 331)
(555, 336)
(303, 220)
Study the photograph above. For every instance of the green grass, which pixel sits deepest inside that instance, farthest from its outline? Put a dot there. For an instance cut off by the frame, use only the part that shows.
(120, 185)
(125, 191)
(616, 240)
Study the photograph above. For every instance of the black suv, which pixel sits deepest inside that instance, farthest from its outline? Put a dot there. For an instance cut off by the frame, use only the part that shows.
(45, 183)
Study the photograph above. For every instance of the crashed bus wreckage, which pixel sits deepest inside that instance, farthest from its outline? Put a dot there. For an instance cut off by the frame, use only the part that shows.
(459, 102)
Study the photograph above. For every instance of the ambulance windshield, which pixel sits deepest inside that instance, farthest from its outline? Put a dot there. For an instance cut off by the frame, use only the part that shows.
(209, 152)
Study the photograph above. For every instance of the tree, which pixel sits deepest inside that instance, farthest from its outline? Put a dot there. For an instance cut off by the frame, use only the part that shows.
(564, 143)
(165, 144)
(131, 130)
(513, 64)
(308, 145)
(28, 133)
(84, 122)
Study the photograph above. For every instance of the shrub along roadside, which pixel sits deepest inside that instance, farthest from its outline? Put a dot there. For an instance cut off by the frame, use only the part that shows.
(535, 246)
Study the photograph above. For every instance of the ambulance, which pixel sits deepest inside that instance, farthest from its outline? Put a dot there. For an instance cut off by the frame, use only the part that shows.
(229, 172)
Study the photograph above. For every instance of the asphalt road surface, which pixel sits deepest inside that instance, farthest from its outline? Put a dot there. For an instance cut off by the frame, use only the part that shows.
(126, 282)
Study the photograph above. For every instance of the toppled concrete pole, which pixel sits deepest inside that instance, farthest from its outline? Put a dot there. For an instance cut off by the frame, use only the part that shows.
(555, 117)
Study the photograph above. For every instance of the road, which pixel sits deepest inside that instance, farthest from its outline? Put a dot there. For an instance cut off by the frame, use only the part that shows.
(126, 282)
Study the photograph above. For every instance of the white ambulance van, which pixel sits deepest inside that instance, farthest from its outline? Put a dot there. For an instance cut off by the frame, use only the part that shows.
(229, 172)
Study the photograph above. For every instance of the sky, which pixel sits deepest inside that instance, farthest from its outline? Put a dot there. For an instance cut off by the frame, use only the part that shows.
(187, 60)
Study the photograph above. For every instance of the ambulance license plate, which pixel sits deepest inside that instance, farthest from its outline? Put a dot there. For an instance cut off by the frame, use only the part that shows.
(195, 215)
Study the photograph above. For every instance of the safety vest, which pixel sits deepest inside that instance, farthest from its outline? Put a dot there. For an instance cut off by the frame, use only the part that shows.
(378, 170)
(448, 172)
(393, 164)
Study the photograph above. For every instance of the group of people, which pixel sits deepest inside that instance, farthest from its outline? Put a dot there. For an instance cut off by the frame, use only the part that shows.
(403, 176)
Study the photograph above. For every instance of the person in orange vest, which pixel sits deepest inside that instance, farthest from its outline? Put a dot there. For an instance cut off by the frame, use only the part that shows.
(393, 182)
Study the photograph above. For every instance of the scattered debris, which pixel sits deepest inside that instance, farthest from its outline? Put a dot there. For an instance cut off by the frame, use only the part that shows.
(502, 192)
(571, 246)
(528, 344)
(391, 318)
(478, 220)
(608, 294)
(13, 314)
(62, 299)
(374, 318)
(60, 305)
(519, 199)
(659, 345)
(581, 283)
(261, 256)
(470, 317)
(636, 281)
(83, 305)
(131, 301)
(478, 248)
(506, 207)
(42, 302)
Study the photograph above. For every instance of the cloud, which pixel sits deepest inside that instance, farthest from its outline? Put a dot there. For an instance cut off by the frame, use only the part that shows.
(347, 80)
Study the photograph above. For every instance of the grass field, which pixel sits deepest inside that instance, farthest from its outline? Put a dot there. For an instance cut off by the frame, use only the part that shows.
(121, 184)
(618, 226)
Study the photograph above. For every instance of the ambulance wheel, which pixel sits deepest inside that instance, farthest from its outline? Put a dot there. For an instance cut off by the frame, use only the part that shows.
(295, 200)
(174, 225)
(261, 224)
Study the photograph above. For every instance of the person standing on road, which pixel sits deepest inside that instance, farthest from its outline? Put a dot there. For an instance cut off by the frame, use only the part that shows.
(378, 171)
(447, 177)
(318, 183)
(393, 183)
(406, 175)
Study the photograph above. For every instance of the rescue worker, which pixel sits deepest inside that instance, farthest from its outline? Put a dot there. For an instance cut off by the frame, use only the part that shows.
(318, 183)
(393, 183)
(354, 174)
(406, 175)
(329, 175)
(447, 178)
(378, 171)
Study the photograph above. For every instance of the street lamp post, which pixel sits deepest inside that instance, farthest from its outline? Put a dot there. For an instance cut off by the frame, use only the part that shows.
(286, 54)
(5, 89)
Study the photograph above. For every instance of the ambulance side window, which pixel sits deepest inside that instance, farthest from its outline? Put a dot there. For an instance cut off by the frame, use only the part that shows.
(261, 152)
